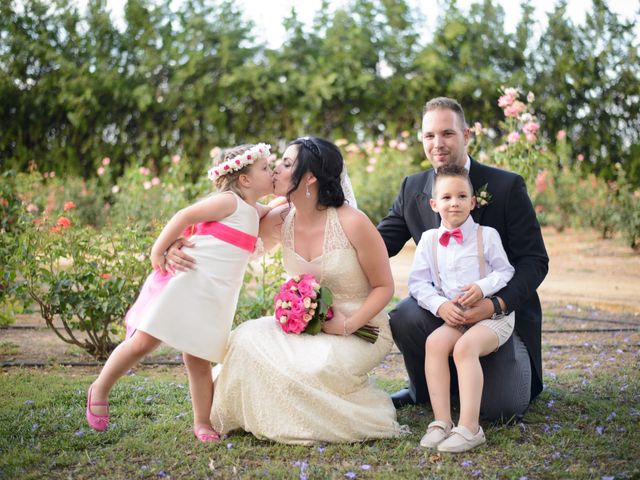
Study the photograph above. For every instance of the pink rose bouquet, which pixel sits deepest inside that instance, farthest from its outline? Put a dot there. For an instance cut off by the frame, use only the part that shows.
(302, 304)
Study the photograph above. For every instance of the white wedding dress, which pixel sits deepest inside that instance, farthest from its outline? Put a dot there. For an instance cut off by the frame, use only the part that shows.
(302, 389)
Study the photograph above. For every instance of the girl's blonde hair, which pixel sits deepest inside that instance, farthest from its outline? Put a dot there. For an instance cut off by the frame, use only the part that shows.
(230, 181)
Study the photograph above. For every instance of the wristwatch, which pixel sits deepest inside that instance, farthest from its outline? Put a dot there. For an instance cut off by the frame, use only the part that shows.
(498, 313)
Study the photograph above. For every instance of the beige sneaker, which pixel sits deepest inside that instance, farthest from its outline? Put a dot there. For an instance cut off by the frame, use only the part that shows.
(461, 439)
(437, 431)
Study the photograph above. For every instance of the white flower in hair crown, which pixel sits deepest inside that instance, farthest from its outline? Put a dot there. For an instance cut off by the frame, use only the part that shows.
(261, 150)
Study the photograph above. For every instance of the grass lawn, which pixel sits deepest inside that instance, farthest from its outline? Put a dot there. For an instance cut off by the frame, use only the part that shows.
(584, 425)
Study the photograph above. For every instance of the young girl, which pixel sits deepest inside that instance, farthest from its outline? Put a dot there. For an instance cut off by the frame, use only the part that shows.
(193, 311)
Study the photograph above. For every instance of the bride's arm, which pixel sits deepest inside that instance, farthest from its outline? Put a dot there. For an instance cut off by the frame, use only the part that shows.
(271, 225)
(373, 258)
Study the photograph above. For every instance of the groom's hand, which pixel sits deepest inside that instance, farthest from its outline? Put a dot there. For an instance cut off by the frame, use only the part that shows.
(177, 259)
(479, 311)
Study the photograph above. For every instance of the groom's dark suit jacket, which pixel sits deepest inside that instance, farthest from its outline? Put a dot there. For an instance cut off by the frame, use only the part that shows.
(510, 212)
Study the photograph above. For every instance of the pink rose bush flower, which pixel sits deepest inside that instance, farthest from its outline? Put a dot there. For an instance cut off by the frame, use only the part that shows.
(513, 137)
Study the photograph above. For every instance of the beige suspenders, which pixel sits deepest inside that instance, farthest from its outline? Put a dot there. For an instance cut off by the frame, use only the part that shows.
(434, 243)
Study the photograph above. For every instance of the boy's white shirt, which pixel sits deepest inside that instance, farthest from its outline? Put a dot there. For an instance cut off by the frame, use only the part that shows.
(458, 265)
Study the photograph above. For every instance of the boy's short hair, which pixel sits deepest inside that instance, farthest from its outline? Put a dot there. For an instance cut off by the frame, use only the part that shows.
(450, 170)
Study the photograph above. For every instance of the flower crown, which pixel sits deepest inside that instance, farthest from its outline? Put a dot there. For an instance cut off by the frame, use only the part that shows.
(261, 150)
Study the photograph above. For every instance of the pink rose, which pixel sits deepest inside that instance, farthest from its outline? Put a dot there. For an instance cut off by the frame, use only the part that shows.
(530, 127)
(505, 101)
(561, 135)
(513, 137)
(541, 181)
(106, 161)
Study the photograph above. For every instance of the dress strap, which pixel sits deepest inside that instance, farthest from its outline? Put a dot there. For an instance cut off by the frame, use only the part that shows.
(286, 231)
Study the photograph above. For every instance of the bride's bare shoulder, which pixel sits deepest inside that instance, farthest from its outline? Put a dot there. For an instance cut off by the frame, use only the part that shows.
(354, 222)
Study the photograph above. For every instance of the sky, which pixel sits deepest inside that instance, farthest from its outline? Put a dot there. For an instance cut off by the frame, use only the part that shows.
(268, 14)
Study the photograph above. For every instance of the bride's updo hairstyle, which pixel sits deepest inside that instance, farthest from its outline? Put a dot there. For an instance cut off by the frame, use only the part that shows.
(324, 160)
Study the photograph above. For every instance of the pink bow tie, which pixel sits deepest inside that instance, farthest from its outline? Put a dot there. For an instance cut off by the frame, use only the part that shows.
(455, 233)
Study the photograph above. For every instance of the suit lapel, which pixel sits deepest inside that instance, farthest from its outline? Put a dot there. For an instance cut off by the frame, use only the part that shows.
(430, 218)
(477, 181)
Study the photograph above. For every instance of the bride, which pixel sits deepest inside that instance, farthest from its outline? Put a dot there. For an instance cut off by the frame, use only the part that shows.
(302, 389)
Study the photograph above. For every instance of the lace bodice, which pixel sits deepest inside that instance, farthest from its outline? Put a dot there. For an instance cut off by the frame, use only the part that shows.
(337, 268)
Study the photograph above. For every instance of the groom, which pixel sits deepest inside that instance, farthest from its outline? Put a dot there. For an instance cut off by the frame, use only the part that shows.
(513, 374)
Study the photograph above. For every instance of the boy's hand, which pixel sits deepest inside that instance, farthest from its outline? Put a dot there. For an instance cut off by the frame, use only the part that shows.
(451, 314)
(472, 295)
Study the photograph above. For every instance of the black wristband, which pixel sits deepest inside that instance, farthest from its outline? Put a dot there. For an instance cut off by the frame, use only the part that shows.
(496, 306)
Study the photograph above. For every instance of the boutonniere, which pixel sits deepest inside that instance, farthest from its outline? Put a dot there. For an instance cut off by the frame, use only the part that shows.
(483, 197)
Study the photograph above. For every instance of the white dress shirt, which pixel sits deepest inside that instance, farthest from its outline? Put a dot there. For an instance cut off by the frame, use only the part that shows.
(458, 265)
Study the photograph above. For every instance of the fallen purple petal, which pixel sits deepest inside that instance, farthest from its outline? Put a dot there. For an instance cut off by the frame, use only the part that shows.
(608, 478)
(550, 403)
(321, 449)
(599, 430)
(466, 463)
(162, 473)
(476, 473)
(611, 416)
(34, 427)
(28, 402)
(350, 475)
(365, 467)
(79, 433)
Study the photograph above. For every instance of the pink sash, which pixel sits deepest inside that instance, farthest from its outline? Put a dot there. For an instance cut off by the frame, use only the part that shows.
(157, 281)
(225, 233)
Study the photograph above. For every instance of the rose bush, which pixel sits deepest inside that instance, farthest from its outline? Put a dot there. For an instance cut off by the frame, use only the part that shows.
(83, 281)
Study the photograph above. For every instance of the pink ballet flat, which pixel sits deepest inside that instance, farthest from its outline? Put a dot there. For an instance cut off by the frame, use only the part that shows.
(205, 437)
(97, 422)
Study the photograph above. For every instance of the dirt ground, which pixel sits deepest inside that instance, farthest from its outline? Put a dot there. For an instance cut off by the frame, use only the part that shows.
(590, 300)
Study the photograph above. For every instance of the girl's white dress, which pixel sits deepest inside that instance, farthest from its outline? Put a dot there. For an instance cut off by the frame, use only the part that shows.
(301, 389)
(193, 311)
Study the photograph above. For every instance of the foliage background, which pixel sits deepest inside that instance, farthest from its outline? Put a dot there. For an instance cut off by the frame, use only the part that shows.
(181, 77)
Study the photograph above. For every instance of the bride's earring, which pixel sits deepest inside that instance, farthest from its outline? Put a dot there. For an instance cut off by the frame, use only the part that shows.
(307, 193)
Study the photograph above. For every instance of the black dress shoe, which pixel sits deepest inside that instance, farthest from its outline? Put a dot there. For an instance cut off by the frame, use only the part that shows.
(402, 398)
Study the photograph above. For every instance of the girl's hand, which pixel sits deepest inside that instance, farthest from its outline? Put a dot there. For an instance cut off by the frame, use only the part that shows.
(472, 295)
(335, 326)
(451, 314)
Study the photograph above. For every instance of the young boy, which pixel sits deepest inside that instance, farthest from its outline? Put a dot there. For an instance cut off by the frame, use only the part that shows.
(454, 267)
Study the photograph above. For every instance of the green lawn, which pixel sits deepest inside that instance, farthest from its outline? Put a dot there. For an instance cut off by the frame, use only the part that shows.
(578, 428)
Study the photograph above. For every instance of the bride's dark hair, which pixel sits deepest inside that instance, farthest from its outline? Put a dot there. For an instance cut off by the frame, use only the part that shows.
(324, 160)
